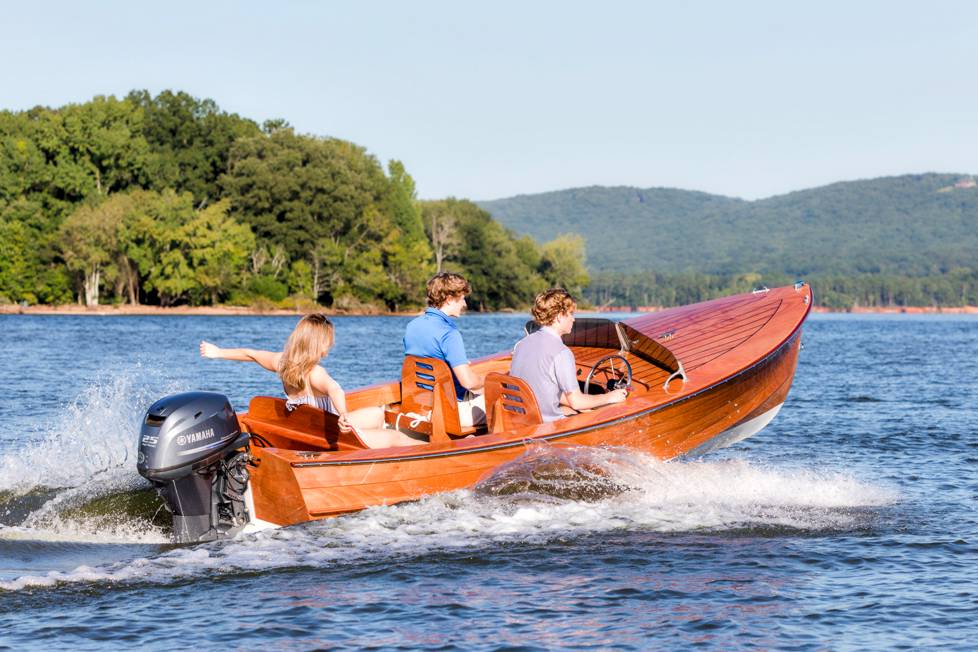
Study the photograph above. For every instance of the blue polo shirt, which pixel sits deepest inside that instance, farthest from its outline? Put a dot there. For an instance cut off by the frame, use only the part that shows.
(435, 335)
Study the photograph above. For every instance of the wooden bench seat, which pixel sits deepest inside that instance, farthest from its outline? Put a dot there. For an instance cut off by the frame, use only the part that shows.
(304, 428)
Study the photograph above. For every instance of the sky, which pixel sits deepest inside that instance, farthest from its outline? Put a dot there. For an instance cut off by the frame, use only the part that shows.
(488, 100)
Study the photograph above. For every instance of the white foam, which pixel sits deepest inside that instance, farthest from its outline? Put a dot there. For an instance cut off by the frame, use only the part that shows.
(663, 497)
(96, 432)
(86, 453)
(100, 530)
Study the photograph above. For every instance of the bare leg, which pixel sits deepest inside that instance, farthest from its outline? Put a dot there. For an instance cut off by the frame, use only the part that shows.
(370, 425)
(367, 418)
(383, 438)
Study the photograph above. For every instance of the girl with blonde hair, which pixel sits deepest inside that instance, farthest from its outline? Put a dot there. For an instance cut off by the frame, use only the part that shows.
(306, 382)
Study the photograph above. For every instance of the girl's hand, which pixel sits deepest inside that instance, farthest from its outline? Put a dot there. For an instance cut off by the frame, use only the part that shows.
(344, 423)
(208, 350)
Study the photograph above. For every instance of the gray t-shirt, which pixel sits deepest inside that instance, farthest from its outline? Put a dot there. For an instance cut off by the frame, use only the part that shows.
(548, 367)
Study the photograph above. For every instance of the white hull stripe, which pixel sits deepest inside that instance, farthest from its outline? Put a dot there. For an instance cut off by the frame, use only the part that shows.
(739, 432)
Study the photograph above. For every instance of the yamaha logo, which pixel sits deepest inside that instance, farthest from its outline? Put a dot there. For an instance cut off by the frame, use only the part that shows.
(194, 437)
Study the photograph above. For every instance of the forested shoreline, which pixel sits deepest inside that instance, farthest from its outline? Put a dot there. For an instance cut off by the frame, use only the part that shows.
(170, 201)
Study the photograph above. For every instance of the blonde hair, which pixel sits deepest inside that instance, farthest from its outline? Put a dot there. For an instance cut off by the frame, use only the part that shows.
(307, 345)
(552, 303)
(444, 286)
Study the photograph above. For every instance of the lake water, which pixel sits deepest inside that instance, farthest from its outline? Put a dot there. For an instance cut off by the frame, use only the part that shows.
(849, 523)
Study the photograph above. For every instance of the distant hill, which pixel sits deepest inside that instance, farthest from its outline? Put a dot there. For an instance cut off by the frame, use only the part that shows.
(909, 225)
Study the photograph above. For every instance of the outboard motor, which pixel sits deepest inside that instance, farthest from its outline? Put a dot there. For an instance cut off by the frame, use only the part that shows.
(193, 451)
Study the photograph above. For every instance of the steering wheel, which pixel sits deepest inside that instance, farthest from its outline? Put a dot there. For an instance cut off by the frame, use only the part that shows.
(616, 379)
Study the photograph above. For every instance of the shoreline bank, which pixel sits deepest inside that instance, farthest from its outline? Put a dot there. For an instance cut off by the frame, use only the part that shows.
(207, 311)
(245, 311)
(903, 310)
(856, 310)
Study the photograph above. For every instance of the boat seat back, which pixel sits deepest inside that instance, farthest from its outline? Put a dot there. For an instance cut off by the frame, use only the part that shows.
(304, 428)
(428, 390)
(510, 403)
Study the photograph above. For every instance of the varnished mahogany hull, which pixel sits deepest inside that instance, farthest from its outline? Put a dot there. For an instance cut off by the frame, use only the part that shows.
(726, 392)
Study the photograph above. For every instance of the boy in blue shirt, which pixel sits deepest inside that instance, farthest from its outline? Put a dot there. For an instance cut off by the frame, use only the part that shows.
(434, 334)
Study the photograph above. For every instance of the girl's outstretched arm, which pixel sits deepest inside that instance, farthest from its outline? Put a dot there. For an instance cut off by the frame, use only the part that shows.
(267, 359)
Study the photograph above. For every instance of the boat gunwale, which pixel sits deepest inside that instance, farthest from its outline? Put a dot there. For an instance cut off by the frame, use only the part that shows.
(775, 351)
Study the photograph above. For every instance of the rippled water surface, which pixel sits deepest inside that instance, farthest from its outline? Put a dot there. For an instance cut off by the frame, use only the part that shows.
(850, 522)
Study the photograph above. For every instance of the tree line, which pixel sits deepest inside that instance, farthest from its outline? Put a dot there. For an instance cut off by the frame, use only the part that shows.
(957, 287)
(895, 241)
(169, 200)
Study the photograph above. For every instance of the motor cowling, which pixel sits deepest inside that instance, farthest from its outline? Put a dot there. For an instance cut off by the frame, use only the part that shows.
(193, 451)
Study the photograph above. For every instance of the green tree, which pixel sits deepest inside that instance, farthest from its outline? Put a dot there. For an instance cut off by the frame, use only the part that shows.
(51, 163)
(97, 147)
(24, 171)
(441, 227)
(562, 263)
(217, 250)
(183, 254)
(150, 241)
(402, 203)
(298, 190)
(190, 141)
(172, 277)
(300, 279)
(15, 262)
(329, 203)
(28, 271)
(493, 260)
(406, 253)
(89, 238)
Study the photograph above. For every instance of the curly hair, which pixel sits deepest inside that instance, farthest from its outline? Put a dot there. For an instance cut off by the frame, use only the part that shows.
(552, 303)
(307, 345)
(444, 286)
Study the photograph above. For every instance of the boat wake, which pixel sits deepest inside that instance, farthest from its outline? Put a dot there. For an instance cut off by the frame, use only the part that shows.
(565, 473)
(550, 494)
(91, 513)
(76, 479)
(615, 487)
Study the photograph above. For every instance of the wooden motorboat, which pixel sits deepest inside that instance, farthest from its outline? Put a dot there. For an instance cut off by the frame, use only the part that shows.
(703, 376)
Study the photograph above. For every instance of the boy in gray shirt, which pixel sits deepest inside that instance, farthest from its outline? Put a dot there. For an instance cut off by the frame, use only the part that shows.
(547, 365)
